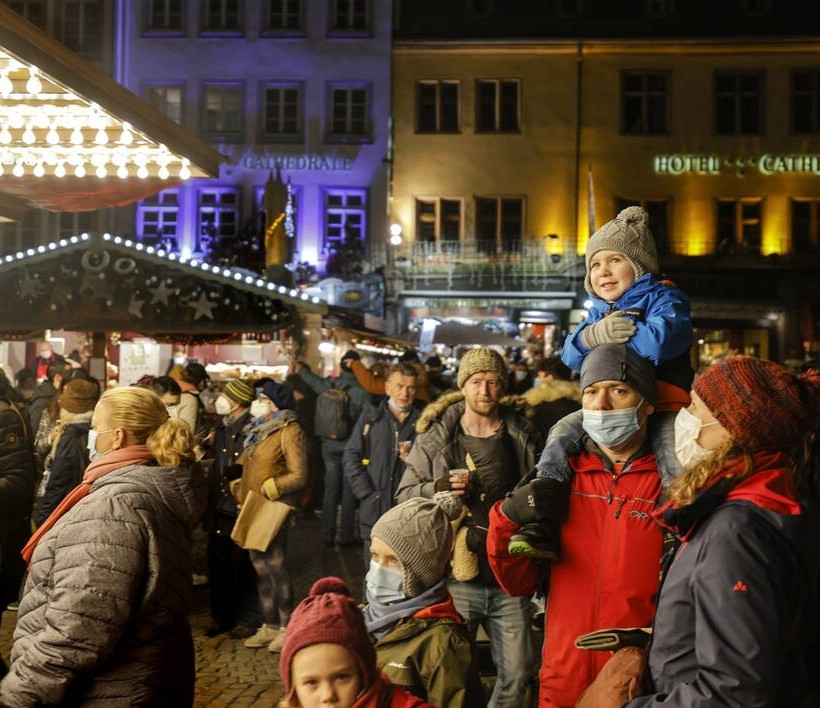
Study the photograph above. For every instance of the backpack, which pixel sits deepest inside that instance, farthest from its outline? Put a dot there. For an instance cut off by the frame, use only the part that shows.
(332, 419)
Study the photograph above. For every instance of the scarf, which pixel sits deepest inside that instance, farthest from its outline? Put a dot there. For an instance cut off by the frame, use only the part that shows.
(110, 461)
(260, 428)
(380, 619)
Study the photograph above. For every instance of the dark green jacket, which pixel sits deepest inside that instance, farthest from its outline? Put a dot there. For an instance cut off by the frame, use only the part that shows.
(431, 656)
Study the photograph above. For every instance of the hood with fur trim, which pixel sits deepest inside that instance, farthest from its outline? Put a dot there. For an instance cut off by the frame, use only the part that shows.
(437, 409)
(553, 390)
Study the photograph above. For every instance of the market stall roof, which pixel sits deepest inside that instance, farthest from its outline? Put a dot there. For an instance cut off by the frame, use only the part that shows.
(73, 139)
(109, 283)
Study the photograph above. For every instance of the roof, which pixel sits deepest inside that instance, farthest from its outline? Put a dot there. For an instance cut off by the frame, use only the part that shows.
(110, 283)
(73, 139)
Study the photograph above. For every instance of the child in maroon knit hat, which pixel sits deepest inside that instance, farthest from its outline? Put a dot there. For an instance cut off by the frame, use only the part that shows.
(328, 657)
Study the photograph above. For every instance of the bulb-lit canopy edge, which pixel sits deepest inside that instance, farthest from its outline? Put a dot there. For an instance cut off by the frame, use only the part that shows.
(73, 139)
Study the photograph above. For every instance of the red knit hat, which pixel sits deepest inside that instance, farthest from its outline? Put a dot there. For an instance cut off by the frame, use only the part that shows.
(328, 615)
(760, 403)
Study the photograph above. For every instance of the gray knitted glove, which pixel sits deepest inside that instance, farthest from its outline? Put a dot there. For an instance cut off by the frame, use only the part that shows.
(613, 329)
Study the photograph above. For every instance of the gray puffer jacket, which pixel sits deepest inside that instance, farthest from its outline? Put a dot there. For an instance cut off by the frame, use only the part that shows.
(103, 620)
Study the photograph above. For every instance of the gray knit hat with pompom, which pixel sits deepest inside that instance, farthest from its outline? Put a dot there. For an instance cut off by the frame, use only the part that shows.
(627, 233)
(419, 532)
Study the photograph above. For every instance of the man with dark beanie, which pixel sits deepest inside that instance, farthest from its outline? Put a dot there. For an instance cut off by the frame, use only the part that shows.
(607, 572)
(232, 580)
(333, 448)
(422, 643)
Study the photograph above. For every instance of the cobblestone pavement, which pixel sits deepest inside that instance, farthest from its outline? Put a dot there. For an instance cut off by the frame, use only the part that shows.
(227, 673)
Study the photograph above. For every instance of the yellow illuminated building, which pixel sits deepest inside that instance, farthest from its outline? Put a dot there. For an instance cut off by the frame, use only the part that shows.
(719, 140)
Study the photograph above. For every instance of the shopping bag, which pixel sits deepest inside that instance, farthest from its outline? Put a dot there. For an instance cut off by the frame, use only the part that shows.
(258, 522)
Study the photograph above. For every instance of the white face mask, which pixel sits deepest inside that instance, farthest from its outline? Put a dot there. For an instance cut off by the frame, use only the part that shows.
(223, 406)
(173, 411)
(179, 360)
(520, 375)
(260, 409)
(46, 354)
(687, 432)
(93, 453)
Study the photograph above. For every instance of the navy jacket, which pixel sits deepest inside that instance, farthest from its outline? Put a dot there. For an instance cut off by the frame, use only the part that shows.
(737, 616)
(227, 446)
(376, 483)
(67, 467)
(664, 328)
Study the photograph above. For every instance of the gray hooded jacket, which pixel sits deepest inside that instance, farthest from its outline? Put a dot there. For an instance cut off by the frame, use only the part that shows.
(103, 620)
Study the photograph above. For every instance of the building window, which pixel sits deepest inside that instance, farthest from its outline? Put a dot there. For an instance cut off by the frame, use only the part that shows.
(165, 16)
(805, 219)
(73, 223)
(33, 10)
(499, 224)
(349, 114)
(222, 16)
(497, 106)
(437, 107)
(223, 112)
(658, 212)
(568, 8)
(350, 16)
(739, 226)
(345, 214)
(644, 103)
(283, 16)
(158, 219)
(660, 8)
(738, 103)
(81, 22)
(806, 101)
(167, 99)
(282, 112)
(217, 216)
(438, 220)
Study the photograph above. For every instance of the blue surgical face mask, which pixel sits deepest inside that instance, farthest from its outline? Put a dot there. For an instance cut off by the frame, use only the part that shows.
(611, 429)
(384, 585)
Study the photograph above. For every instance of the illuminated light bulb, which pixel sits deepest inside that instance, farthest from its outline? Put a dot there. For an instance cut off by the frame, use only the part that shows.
(28, 136)
(18, 170)
(77, 136)
(16, 121)
(6, 85)
(101, 138)
(5, 135)
(122, 172)
(41, 121)
(39, 170)
(2, 171)
(79, 170)
(184, 172)
(52, 137)
(142, 172)
(126, 137)
(59, 171)
(101, 172)
(163, 172)
(33, 85)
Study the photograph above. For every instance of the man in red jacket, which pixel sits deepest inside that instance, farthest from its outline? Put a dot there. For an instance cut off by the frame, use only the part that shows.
(607, 572)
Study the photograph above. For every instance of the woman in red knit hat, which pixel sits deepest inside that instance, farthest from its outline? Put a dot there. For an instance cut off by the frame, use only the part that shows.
(737, 617)
(328, 658)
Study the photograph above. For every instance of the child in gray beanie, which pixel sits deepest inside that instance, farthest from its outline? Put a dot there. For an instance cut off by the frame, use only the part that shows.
(422, 643)
(651, 317)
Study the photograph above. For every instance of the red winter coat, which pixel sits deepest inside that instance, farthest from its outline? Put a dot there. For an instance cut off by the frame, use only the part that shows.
(607, 575)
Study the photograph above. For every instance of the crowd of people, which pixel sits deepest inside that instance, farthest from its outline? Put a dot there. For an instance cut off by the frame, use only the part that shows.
(669, 522)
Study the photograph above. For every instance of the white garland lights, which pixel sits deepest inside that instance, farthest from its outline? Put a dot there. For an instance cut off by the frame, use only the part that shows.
(47, 130)
(236, 277)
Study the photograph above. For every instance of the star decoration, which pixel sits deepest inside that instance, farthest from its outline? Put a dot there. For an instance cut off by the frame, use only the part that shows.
(30, 287)
(202, 307)
(92, 284)
(135, 306)
(161, 293)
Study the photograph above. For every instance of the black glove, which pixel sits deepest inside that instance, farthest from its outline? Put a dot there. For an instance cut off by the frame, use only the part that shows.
(477, 538)
(543, 499)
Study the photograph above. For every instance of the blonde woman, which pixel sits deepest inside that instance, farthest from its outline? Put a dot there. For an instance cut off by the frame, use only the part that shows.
(103, 616)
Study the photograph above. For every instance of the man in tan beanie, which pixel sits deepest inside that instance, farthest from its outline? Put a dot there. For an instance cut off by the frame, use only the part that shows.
(474, 443)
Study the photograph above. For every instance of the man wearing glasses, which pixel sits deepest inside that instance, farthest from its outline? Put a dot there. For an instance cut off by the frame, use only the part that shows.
(471, 444)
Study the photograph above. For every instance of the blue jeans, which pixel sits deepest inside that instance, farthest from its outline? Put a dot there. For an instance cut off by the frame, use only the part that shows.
(337, 486)
(566, 435)
(507, 621)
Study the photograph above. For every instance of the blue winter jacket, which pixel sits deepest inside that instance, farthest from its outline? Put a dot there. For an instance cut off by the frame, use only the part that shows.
(661, 315)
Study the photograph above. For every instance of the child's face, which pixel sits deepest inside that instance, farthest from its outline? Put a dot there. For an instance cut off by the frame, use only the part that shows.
(325, 675)
(610, 275)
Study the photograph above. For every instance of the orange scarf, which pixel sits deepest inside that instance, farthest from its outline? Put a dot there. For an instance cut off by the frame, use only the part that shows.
(114, 460)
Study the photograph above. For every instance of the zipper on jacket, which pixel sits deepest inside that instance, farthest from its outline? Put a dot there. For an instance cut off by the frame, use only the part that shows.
(620, 507)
